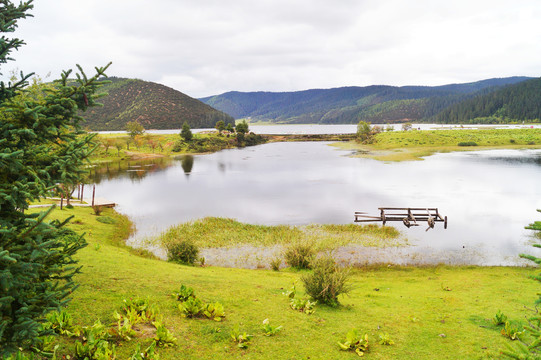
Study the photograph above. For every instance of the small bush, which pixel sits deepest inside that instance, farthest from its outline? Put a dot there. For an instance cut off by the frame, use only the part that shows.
(300, 255)
(97, 209)
(275, 264)
(499, 319)
(327, 281)
(183, 252)
(467, 143)
(177, 146)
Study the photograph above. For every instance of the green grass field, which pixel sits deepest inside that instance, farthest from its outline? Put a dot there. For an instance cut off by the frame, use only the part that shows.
(413, 145)
(430, 313)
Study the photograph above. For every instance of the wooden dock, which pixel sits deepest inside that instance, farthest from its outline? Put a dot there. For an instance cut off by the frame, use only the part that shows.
(408, 216)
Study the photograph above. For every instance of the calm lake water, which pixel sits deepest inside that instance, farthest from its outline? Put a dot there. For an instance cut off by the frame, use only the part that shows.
(488, 196)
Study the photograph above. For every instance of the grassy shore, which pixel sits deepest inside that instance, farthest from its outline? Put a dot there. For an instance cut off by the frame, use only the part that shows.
(119, 146)
(414, 145)
(433, 312)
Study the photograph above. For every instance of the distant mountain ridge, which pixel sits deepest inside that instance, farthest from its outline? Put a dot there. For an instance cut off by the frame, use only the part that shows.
(518, 102)
(154, 105)
(376, 103)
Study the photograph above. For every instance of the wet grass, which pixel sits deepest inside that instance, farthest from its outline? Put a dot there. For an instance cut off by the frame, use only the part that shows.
(214, 232)
(431, 312)
(414, 145)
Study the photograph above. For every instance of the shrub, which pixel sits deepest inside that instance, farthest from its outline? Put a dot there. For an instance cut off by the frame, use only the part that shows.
(300, 255)
(98, 209)
(467, 143)
(183, 252)
(177, 146)
(275, 264)
(327, 281)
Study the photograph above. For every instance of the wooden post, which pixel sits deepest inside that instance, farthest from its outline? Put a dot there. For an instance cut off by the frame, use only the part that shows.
(93, 194)
(82, 190)
(61, 201)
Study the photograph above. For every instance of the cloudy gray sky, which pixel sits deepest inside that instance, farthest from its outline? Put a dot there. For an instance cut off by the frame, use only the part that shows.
(207, 47)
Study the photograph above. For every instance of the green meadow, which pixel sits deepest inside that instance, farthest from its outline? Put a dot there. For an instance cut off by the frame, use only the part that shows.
(413, 144)
(428, 312)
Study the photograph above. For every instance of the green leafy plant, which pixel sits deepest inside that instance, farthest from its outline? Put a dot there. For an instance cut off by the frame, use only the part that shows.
(183, 252)
(303, 305)
(499, 319)
(385, 339)
(124, 329)
(94, 343)
(268, 329)
(291, 293)
(241, 339)
(61, 323)
(98, 349)
(512, 330)
(97, 331)
(300, 255)
(326, 281)
(192, 307)
(354, 342)
(214, 311)
(184, 293)
(163, 337)
(138, 310)
(147, 354)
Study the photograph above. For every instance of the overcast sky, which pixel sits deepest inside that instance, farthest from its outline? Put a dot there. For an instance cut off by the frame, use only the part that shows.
(207, 47)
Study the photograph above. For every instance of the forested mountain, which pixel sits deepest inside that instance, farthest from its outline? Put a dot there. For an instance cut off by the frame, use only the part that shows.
(519, 102)
(344, 105)
(155, 106)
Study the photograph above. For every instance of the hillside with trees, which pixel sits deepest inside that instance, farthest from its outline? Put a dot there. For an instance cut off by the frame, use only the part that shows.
(153, 105)
(519, 102)
(349, 105)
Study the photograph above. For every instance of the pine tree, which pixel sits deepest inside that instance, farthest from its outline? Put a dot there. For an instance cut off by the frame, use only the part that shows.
(186, 133)
(529, 348)
(40, 149)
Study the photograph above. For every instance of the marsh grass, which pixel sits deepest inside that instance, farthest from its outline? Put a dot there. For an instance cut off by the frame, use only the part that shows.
(212, 232)
(408, 304)
(414, 145)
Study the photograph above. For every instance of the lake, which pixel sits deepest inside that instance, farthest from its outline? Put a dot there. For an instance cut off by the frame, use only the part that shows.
(488, 196)
(318, 129)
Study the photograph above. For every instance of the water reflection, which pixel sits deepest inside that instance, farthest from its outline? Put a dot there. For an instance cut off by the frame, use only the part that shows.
(526, 157)
(134, 170)
(488, 196)
(187, 164)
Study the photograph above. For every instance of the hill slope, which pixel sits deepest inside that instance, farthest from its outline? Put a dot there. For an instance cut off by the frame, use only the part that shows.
(155, 106)
(376, 103)
(519, 102)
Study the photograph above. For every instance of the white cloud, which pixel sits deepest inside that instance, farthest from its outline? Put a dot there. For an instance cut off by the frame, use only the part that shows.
(206, 47)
